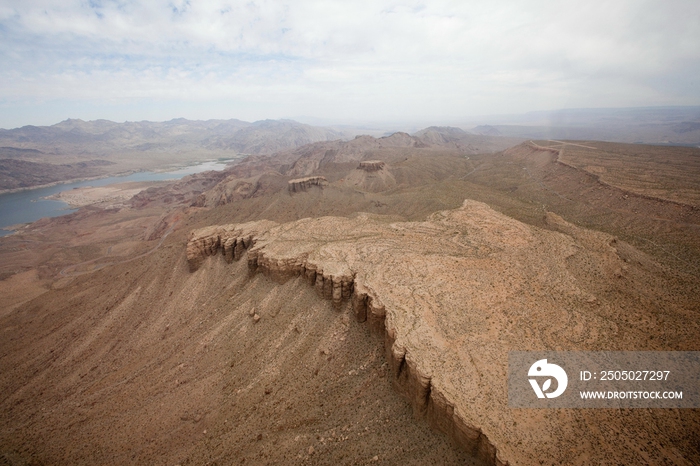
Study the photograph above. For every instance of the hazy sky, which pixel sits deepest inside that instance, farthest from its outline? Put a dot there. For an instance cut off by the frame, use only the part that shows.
(437, 61)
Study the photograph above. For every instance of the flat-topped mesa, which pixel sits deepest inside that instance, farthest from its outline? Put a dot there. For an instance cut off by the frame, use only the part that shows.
(371, 165)
(453, 295)
(372, 176)
(304, 184)
(282, 253)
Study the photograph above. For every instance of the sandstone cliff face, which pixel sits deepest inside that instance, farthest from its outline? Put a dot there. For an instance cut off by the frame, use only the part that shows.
(304, 184)
(231, 240)
(453, 295)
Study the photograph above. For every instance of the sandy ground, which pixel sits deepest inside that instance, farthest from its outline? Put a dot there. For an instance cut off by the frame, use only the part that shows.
(113, 194)
(20, 288)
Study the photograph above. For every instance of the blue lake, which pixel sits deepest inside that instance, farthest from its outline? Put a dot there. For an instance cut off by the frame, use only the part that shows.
(28, 206)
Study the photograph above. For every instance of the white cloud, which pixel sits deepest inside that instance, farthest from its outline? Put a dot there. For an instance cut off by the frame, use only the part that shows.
(439, 59)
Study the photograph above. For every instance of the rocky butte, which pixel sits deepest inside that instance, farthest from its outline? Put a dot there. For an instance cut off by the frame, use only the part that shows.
(371, 176)
(454, 294)
(304, 184)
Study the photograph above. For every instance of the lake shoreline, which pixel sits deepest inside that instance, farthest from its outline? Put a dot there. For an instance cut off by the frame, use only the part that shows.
(72, 180)
(119, 174)
(27, 205)
(116, 193)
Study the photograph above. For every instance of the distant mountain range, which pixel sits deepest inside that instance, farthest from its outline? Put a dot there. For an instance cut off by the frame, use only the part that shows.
(99, 138)
(646, 125)
(75, 148)
(103, 137)
(36, 155)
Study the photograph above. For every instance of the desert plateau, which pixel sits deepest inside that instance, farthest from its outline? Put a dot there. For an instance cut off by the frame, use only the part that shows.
(394, 232)
(351, 302)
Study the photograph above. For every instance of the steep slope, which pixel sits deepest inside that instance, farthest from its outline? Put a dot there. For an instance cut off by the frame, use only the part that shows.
(456, 293)
(145, 363)
(371, 176)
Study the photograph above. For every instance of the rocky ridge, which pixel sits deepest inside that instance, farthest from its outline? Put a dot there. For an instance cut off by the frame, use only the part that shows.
(452, 295)
(304, 184)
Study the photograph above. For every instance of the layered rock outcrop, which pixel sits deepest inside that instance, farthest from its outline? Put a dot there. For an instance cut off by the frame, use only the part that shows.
(230, 240)
(371, 165)
(304, 184)
(452, 296)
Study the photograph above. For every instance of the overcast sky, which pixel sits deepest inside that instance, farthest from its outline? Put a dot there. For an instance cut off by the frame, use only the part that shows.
(436, 62)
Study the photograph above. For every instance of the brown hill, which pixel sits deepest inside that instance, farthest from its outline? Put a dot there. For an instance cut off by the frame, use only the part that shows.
(668, 173)
(371, 176)
(17, 174)
(270, 136)
(107, 137)
(456, 138)
(408, 161)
